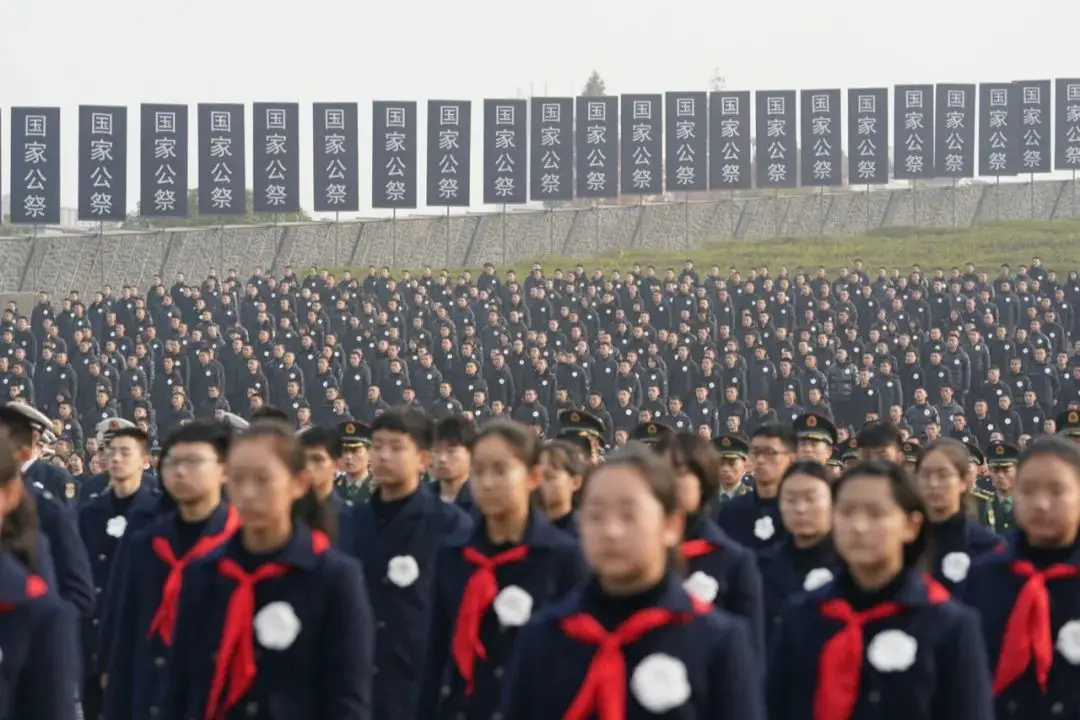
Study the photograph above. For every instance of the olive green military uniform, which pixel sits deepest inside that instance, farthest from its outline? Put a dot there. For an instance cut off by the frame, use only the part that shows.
(352, 435)
(982, 494)
(1001, 454)
(737, 447)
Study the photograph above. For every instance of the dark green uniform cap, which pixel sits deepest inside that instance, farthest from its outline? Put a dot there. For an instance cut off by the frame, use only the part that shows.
(1068, 423)
(732, 446)
(1001, 454)
(811, 426)
(352, 434)
(650, 432)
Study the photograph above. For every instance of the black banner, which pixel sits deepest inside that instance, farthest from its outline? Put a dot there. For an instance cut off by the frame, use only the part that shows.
(449, 152)
(820, 139)
(102, 163)
(776, 145)
(730, 149)
(276, 157)
(336, 152)
(35, 166)
(222, 160)
(642, 145)
(596, 147)
(505, 152)
(999, 126)
(686, 134)
(551, 149)
(913, 132)
(163, 161)
(393, 154)
(868, 136)
(954, 136)
(1067, 124)
(1034, 137)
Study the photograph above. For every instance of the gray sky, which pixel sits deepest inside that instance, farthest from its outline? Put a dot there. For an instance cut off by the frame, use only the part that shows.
(126, 52)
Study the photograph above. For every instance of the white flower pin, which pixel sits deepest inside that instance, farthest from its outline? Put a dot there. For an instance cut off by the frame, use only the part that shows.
(513, 606)
(955, 565)
(276, 626)
(116, 526)
(1068, 642)
(403, 570)
(660, 683)
(702, 586)
(764, 528)
(892, 651)
(816, 578)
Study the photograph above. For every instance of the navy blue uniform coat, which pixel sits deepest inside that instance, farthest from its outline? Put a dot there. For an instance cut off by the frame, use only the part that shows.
(752, 521)
(403, 608)
(70, 560)
(39, 637)
(552, 567)
(721, 664)
(957, 543)
(327, 670)
(784, 574)
(948, 680)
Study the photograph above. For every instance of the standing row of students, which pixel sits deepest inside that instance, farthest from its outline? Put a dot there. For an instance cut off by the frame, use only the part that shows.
(413, 607)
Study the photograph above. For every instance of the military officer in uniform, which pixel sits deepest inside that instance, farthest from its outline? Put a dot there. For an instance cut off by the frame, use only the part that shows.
(96, 484)
(584, 430)
(1068, 424)
(983, 496)
(910, 450)
(39, 472)
(1002, 458)
(734, 451)
(649, 433)
(835, 465)
(849, 453)
(354, 483)
(816, 436)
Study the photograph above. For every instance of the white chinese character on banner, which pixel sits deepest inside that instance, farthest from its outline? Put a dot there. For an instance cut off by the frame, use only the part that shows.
(730, 174)
(448, 188)
(595, 135)
(685, 175)
(954, 120)
(775, 105)
(221, 121)
(504, 139)
(914, 164)
(1072, 155)
(913, 99)
(777, 151)
(335, 170)
(164, 148)
(1072, 92)
(221, 198)
(395, 191)
(101, 177)
(449, 140)
(641, 179)
(34, 180)
(164, 200)
(1032, 158)
(641, 133)
(1072, 134)
(276, 195)
(999, 97)
(954, 163)
(913, 143)
(334, 145)
(642, 110)
(729, 105)
(34, 153)
(550, 183)
(504, 114)
(275, 170)
(1032, 116)
(954, 142)
(913, 121)
(684, 107)
(275, 145)
(822, 170)
(550, 136)
(36, 126)
(448, 165)
(641, 155)
(596, 181)
(597, 158)
(34, 206)
(165, 175)
(685, 154)
(1032, 95)
(822, 148)
(729, 128)
(1032, 138)
(334, 119)
(820, 125)
(220, 147)
(449, 114)
(866, 170)
(1072, 113)
(776, 173)
(395, 142)
(336, 194)
(819, 103)
(550, 112)
(504, 186)
(395, 117)
(221, 173)
(866, 126)
(596, 112)
(101, 204)
(776, 127)
(867, 103)
(101, 124)
(956, 99)
(867, 147)
(275, 119)
(731, 152)
(164, 122)
(997, 162)
(551, 160)
(101, 151)
(504, 163)
(998, 118)
(395, 167)
(685, 130)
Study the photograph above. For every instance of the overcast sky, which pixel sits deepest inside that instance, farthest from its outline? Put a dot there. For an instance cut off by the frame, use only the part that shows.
(126, 52)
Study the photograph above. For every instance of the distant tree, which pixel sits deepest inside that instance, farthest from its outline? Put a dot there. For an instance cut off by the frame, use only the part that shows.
(194, 219)
(716, 80)
(594, 86)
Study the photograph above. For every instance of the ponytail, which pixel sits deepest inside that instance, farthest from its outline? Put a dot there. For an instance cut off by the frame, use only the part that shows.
(316, 515)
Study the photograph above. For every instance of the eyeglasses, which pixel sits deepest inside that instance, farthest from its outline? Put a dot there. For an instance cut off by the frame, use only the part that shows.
(765, 453)
(176, 462)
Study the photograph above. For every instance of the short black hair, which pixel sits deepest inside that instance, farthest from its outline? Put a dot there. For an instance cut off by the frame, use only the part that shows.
(215, 434)
(878, 435)
(455, 430)
(784, 433)
(269, 412)
(135, 434)
(320, 437)
(405, 420)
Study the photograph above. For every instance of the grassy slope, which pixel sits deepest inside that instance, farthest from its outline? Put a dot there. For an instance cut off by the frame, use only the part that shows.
(988, 246)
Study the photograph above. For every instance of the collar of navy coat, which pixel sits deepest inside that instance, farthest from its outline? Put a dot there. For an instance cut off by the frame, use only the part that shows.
(165, 525)
(539, 533)
(674, 598)
(13, 581)
(1008, 550)
(913, 592)
(145, 502)
(297, 552)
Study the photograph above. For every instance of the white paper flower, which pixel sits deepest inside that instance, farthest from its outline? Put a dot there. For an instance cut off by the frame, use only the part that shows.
(116, 526)
(702, 586)
(892, 651)
(764, 528)
(1068, 642)
(513, 606)
(955, 565)
(660, 684)
(816, 578)
(276, 626)
(403, 570)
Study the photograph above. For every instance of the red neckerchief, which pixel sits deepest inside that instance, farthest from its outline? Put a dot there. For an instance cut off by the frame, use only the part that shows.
(840, 662)
(1027, 637)
(479, 593)
(603, 693)
(691, 549)
(35, 588)
(164, 620)
(235, 657)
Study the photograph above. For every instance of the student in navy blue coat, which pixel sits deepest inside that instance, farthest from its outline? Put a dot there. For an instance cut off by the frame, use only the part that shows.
(806, 560)
(562, 468)
(396, 534)
(322, 448)
(718, 570)
(451, 460)
(943, 475)
(275, 623)
(753, 519)
(148, 574)
(38, 630)
(1028, 595)
(56, 522)
(631, 643)
(127, 505)
(882, 639)
(488, 583)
